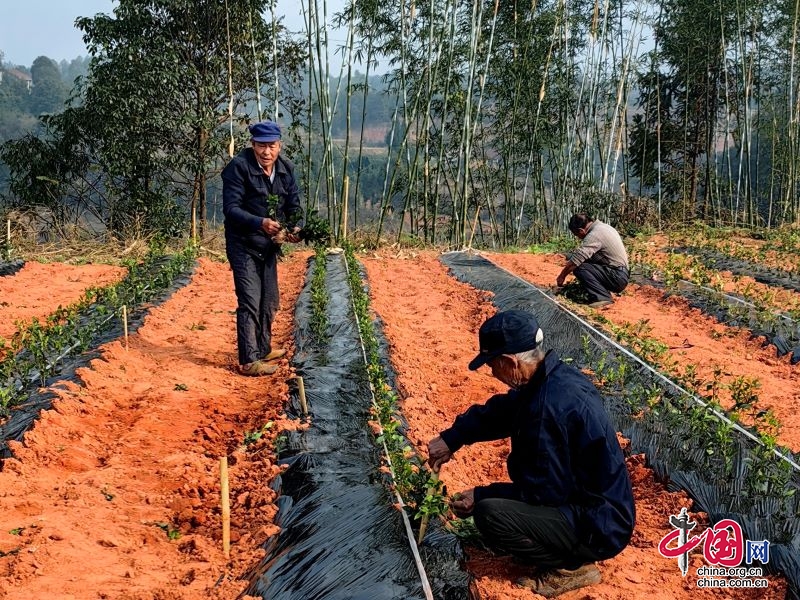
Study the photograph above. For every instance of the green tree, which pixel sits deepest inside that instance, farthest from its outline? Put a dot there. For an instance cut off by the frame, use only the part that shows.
(151, 120)
(49, 92)
(684, 94)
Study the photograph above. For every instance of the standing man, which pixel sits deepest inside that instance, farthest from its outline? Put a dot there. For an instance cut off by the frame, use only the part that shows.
(570, 501)
(600, 264)
(250, 184)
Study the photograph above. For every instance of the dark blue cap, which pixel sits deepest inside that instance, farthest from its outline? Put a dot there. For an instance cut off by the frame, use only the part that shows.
(508, 332)
(265, 131)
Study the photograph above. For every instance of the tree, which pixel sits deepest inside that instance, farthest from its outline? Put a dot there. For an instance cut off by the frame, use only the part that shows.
(153, 118)
(49, 92)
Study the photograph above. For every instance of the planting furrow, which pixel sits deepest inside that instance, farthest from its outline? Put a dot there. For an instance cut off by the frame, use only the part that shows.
(342, 534)
(762, 274)
(780, 330)
(42, 354)
(725, 468)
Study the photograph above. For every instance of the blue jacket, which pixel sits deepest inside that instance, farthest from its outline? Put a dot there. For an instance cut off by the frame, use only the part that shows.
(564, 453)
(245, 189)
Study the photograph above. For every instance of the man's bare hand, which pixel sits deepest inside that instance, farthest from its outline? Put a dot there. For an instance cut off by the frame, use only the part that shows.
(270, 226)
(438, 453)
(293, 236)
(462, 504)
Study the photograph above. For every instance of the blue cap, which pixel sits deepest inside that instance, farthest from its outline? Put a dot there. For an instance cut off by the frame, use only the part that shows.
(508, 332)
(265, 131)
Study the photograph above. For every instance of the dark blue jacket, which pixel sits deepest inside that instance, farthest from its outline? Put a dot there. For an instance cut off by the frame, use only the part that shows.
(564, 452)
(245, 191)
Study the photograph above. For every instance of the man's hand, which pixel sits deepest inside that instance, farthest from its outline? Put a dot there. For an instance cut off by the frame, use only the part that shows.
(560, 280)
(438, 453)
(463, 503)
(293, 236)
(270, 227)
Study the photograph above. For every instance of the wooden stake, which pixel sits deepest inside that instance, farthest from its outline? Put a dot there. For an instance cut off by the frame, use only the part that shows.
(8, 233)
(125, 324)
(301, 390)
(226, 506)
(345, 193)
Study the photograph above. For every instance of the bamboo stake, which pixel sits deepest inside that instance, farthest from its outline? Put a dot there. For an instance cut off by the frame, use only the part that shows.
(8, 233)
(301, 391)
(125, 324)
(423, 526)
(345, 192)
(226, 506)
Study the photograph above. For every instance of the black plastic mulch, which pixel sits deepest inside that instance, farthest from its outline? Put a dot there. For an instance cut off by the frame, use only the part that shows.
(780, 330)
(340, 536)
(664, 432)
(10, 267)
(40, 398)
(721, 262)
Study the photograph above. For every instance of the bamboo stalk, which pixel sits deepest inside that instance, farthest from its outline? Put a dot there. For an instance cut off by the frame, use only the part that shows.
(226, 506)
(301, 392)
(345, 192)
(125, 324)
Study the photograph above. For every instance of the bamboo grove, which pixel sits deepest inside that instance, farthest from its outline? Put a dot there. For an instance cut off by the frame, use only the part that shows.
(503, 117)
(511, 115)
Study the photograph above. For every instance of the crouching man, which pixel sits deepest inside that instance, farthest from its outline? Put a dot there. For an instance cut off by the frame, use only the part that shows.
(570, 501)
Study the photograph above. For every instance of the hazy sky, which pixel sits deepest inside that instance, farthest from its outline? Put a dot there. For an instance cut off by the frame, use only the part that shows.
(32, 28)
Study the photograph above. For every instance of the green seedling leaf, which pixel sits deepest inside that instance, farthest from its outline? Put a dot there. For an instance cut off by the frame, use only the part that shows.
(17, 531)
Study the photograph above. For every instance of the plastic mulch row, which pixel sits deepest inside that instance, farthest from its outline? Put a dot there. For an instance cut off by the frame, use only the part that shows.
(40, 398)
(780, 330)
(10, 267)
(762, 274)
(663, 432)
(341, 537)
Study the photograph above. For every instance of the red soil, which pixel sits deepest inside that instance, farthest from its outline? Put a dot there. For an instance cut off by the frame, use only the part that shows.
(38, 289)
(126, 453)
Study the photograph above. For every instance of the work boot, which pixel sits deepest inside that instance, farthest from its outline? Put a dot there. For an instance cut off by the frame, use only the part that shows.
(560, 581)
(257, 369)
(600, 303)
(274, 355)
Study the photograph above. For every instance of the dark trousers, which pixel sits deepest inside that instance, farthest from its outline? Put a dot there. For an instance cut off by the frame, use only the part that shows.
(539, 536)
(600, 280)
(255, 279)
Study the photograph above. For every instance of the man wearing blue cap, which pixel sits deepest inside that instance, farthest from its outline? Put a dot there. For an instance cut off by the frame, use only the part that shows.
(248, 182)
(570, 501)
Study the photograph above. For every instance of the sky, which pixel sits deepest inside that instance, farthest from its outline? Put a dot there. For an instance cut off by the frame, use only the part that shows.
(33, 28)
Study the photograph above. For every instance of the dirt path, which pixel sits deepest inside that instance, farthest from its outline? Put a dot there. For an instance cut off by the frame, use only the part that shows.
(431, 322)
(131, 453)
(37, 289)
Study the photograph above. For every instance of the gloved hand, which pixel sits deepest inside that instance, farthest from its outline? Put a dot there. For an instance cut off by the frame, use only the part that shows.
(463, 503)
(438, 453)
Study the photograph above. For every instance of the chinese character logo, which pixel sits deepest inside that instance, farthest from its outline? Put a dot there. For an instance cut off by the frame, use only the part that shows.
(723, 544)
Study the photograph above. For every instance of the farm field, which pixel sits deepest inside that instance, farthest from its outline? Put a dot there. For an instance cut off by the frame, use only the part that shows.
(115, 492)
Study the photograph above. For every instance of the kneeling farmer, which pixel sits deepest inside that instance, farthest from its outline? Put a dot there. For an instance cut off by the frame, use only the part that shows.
(570, 501)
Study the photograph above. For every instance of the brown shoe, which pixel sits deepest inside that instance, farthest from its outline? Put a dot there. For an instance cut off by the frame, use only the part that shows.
(274, 355)
(601, 303)
(561, 581)
(257, 369)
